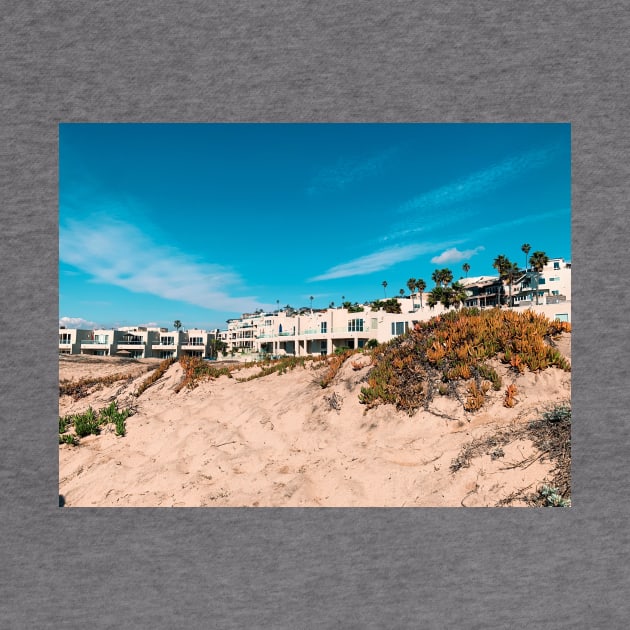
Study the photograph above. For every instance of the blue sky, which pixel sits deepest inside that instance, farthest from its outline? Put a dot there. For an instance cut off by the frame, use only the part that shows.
(202, 222)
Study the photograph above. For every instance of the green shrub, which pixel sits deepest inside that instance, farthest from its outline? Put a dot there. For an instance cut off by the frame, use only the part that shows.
(552, 497)
(86, 423)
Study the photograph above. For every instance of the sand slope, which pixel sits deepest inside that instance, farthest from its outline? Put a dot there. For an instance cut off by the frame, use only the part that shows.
(281, 440)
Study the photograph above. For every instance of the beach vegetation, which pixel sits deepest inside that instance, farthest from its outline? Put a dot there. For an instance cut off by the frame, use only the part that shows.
(86, 423)
(550, 434)
(155, 375)
(196, 369)
(83, 387)
(91, 422)
(457, 346)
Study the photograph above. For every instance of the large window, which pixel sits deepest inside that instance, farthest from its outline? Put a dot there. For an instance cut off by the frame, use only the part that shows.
(556, 265)
(398, 328)
(65, 338)
(355, 325)
(323, 327)
(167, 341)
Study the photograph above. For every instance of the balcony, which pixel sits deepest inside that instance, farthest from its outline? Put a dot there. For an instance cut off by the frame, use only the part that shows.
(94, 342)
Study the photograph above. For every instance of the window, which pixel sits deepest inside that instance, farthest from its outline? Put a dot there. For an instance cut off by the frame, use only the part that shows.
(355, 325)
(562, 317)
(555, 279)
(167, 341)
(398, 328)
(267, 322)
(556, 265)
(374, 324)
(541, 281)
(323, 327)
(65, 338)
(555, 293)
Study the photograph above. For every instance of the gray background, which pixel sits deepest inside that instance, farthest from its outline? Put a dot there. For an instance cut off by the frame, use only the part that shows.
(313, 568)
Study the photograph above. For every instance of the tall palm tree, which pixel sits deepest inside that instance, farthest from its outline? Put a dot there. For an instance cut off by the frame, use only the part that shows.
(525, 248)
(442, 277)
(411, 285)
(458, 295)
(311, 299)
(421, 285)
(511, 273)
(177, 325)
(466, 268)
(538, 260)
(501, 264)
(384, 283)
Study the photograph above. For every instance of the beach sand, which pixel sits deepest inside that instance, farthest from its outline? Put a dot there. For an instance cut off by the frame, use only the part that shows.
(282, 440)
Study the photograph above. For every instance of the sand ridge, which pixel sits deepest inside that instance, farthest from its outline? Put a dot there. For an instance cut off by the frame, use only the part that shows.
(283, 440)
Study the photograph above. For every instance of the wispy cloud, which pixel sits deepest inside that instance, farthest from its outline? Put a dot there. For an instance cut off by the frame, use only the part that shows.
(513, 223)
(478, 183)
(120, 254)
(453, 255)
(379, 260)
(77, 322)
(346, 172)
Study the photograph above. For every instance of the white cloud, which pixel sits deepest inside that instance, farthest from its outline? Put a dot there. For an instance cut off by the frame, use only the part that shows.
(453, 255)
(378, 261)
(77, 322)
(120, 254)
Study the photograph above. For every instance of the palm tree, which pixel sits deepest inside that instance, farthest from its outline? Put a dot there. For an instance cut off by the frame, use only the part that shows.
(442, 277)
(384, 283)
(466, 268)
(436, 295)
(511, 273)
(421, 285)
(501, 264)
(177, 325)
(402, 292)
(311, 299)
(458, 295)
(525, 248)
(538, 260)
(411, 285)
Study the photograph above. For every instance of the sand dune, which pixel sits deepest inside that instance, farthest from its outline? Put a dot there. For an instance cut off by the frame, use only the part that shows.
(282, 440)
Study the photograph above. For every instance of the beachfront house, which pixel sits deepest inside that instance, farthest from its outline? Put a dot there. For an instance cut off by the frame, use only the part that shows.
(552, 284)
(198, 342)
(70, 339)
(101, 342)
(136, 342)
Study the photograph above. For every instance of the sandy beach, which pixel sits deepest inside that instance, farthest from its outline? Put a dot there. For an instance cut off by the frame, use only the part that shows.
(283, 440)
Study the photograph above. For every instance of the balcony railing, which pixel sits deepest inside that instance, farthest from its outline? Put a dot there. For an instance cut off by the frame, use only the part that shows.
(131, 342)
(94, 342)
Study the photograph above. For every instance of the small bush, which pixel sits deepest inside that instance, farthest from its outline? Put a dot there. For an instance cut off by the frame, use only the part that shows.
(68, 439)
(551, 497)
(86, 423)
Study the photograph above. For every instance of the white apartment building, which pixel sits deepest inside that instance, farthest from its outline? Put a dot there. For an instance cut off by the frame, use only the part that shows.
(553, 285)
(321, 331)
(100, 342)
(70, 340)
(198, 342)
